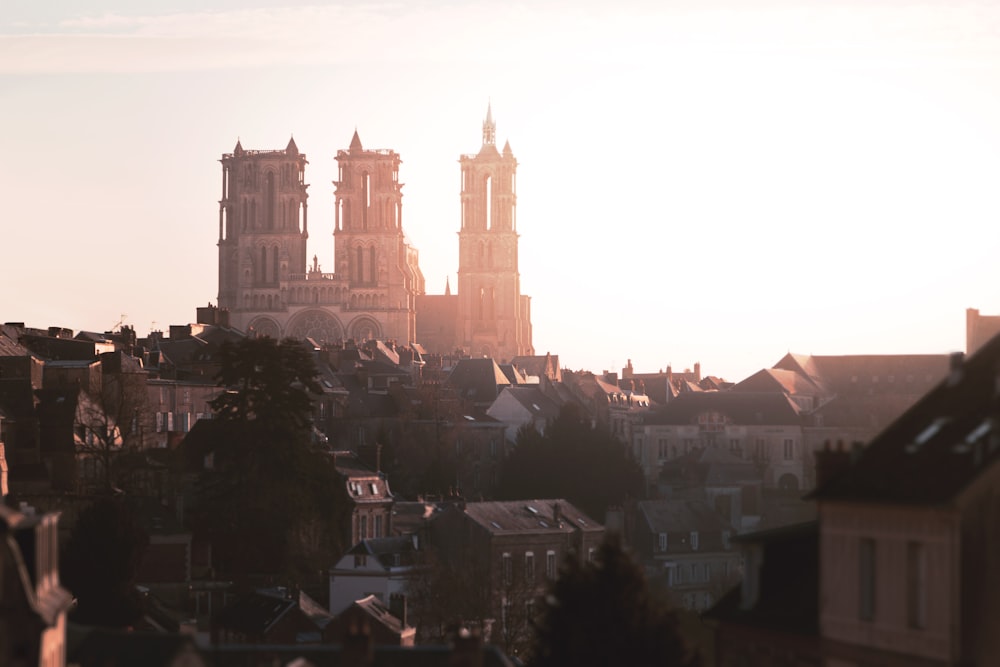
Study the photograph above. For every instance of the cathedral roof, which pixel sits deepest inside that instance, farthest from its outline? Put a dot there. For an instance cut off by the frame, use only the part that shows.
(239, 148)
(507, 152)
(292, 149)
(356, 142)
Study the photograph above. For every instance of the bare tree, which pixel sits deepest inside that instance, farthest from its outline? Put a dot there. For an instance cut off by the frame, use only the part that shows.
(111, 419)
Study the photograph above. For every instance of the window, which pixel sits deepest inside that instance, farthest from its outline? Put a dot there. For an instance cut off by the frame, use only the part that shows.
(789, 449)
(378, 526)
(359, 560)
(591, 554)
(364, 527)
(663, 448)
(663, 542)
(916, 585)
(508, 570)
(866, 579)
(529, 567)
(550, 564)
(694, 540)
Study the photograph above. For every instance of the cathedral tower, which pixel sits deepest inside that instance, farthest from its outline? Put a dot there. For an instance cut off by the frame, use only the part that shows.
(263, 226)
(494, 318)
(372, 254)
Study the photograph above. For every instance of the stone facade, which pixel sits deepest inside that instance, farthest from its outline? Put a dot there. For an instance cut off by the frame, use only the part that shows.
(376, 291)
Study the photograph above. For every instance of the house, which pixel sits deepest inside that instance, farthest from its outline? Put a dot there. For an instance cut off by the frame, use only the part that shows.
(477, 381)
(386, 623)
(772, 617)
(761, 427)
(270, 616)
(371, 499)
(34, 604)
(379, 566)
(499, 557)
(902, 562)
(849, 398)
(688, 544)
(909, 532)
(518, 407)
(730, 484)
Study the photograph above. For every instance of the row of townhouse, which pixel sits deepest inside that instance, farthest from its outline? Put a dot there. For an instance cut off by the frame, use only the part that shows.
(780, 417)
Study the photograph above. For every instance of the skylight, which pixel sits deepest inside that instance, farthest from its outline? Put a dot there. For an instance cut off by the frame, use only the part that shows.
(932, 430)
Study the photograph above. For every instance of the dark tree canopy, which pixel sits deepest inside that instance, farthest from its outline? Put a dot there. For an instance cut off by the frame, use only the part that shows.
(267, 381)
(599, 613)
(271, 502)
(573, 460)
(101, 561)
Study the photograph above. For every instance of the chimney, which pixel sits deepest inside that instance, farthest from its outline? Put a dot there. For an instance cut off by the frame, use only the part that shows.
(831, 462)
(357, 649)
(697, 371)
(955, 368)
(371, 456)
(466, 649)
(397, 607)
(556, 513)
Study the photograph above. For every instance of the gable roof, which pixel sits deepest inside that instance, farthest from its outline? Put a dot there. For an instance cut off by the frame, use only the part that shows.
(681, 515)
(478, 380)
(937, 447)
(254, 614)
(534, 401)
(769, 408)
(520, 516)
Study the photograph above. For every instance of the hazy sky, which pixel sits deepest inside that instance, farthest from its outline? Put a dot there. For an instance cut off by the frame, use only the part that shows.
(698, 181)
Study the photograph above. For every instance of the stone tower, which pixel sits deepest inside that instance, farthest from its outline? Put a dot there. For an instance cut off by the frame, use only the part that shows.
(263, 225)
(372, 253)
(494, 319)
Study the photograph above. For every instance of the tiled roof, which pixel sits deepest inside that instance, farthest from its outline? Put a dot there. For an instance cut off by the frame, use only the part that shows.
(519, 516)
(678, 515)
(937, 447)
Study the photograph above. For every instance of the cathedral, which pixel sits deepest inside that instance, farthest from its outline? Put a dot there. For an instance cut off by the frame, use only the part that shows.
(270, 288)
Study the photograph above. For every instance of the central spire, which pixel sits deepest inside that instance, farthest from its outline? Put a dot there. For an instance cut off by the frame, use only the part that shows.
(489, 127)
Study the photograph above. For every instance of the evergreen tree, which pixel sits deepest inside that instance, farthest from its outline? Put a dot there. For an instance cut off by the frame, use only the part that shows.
(271, 502)
(573, 460)
(600, 613)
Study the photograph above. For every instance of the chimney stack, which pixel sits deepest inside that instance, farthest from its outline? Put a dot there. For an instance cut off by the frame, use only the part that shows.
(397, 607)
(831, 462)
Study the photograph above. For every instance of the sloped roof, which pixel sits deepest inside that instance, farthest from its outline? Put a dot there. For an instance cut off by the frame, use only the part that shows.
(771, 408)
(710, 466)
(385, 549)
(681, 515)
(534, 401)
(520, 516)
(379, 613)
(937, 447)
(254, 614)
(479, 380)
(779, 379)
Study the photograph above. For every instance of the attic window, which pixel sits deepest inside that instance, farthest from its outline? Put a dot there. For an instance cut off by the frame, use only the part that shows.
(374, 490)
(471, 419)
(542, 524)
(495, 525)
(531, 509)
(327, 384)
(581, 521)
(535, 406)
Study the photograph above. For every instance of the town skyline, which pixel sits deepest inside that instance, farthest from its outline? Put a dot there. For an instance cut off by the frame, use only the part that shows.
(787, 180)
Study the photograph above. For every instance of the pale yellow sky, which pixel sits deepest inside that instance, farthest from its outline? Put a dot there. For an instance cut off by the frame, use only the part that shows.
(698, 181)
